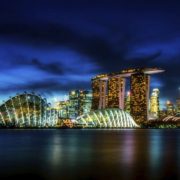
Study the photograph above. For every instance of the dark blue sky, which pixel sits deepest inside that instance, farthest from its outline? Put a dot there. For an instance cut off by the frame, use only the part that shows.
(53, 46)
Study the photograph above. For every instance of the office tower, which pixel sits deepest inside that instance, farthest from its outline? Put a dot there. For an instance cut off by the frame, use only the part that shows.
(154, 104)
(79, 102)
(170, 108)
(63, 109)
(85, 102)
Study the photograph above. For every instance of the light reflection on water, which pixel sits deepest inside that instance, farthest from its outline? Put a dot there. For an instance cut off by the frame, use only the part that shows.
(90, 154)
(156, 149)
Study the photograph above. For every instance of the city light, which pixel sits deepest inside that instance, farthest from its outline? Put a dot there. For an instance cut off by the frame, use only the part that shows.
(108, 91)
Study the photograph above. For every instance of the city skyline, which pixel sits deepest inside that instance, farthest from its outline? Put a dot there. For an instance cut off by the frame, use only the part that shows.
(89, 89)
(54, 47)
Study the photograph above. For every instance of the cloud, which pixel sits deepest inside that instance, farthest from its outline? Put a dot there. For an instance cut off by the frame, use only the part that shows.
(106, 52)
(109, 51)
(46, 86)
(55, 68)
(144, 60)
(97, 48)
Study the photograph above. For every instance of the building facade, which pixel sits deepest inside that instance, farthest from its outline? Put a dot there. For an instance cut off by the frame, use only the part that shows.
(109, 91)
(116, 90)
(99, 85)
(170, 109)
(139, 97)
(79, 102)
(63, 109)
(154, 104)
(127, 107)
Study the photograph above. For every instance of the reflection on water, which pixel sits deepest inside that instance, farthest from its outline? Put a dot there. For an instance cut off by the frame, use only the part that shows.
(90, 154)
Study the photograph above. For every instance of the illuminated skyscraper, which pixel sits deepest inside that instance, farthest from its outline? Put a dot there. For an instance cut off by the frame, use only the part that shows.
(154, 103)
(63, 109)
(170, 108)
(79, 102)
(99, 86)
(127, 102)
(85, 101)
(103, 94)
(139, 85)
(116, 88)
(108, 91)
(96, 93)
(139, 97)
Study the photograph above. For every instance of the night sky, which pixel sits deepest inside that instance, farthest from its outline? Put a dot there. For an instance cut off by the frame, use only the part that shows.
(53, 46)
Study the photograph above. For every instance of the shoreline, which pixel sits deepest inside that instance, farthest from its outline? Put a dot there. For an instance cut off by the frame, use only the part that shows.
(42, 128)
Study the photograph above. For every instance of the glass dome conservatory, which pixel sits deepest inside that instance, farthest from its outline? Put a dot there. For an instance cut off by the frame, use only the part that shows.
(112, 118)
(27, 110)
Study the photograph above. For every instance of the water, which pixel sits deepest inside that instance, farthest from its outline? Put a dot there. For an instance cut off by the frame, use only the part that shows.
(90, 154)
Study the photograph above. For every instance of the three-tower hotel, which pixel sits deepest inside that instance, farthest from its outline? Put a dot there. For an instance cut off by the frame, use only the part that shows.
(109, 91)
